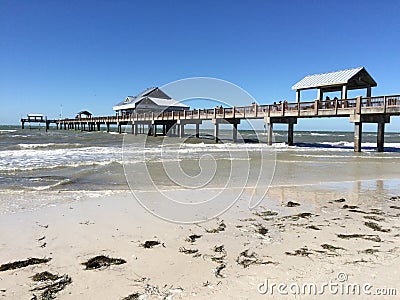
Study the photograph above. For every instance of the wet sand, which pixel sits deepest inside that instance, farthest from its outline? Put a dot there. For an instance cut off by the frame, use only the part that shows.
(303, 234)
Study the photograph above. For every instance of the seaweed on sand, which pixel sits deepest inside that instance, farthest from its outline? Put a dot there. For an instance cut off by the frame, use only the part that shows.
(303, 215)
(192, 238)
(219, 249)
(376, 227)
(151, 244)
(313, 227)
(331, 248)
(299, 252)
(394, 206)
(221, 227)
(23, 263)
(369, 251)
(261, 229)
(375, 218)
(133, 296)
(218, 259)
(100, 261)
(349, 206)
(376, 211)
(292, 204)
(188, 251)
(266, 213)
(340, 200)
(50, 284)
(246, 259)
(218, 271)
(369, 237)
(42, 276)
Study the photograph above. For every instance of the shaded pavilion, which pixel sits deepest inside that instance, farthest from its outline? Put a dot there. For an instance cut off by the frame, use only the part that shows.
(338, 81)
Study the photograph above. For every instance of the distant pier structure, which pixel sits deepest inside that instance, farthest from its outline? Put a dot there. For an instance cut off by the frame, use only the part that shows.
(146, 112)
(37, 119)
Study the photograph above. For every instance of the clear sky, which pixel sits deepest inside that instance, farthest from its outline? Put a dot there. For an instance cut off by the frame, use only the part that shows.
(91, 54)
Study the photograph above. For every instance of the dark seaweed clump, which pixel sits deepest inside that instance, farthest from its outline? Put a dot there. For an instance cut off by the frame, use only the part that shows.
(246, 259)
(133, 296)
(313, 227)
(218, 271)
(299, 252)
(292, 204)
(188, 251)
(331, 248)
(23, 263)
(349, 206)
(43, 276)
(340, 200)
(375, 218)
(221, 227)
(100, 261)
(266, 213)
(376, 227)
(192, 238)
(52, 284)
(369, 237)
(150, 244)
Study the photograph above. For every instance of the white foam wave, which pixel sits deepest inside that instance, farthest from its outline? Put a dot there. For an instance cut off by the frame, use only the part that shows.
(47, 145)
(7, 130)
(47, 187)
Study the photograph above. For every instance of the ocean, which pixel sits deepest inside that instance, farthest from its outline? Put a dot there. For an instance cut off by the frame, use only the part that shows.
(36, 165)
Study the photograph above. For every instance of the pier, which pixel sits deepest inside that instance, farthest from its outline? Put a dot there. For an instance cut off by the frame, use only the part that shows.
(377, 109)
(174, 117)
(37, 119)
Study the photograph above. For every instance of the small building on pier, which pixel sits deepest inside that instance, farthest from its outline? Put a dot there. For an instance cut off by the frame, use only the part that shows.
(150, 100)
(83, 114)
(338, 81)
(35, 118)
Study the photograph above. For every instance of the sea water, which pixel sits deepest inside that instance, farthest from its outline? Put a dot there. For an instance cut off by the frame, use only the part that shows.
(42, 163)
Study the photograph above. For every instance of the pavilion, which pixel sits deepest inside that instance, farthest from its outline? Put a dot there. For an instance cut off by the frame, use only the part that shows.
(338, 81)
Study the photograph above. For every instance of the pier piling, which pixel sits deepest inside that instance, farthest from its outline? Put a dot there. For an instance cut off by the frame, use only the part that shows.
(357, 136)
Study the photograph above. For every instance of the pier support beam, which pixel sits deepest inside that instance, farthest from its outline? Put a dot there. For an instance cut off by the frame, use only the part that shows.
(358, 119)
(380, 137)
(119, 128)
(134, 128)
(290, 134)
(98, 126)
(197, 130)
(216, 131)
(270, 134)
(357, 136)
(180, 125)
(234, 132)
(108, 127)
(154, 129)
(269, 121)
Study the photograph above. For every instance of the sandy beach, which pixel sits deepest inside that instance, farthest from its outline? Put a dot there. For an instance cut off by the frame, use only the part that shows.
(299, 234)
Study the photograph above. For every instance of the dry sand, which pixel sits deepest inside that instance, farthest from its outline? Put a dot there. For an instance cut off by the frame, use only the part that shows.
(303, 243)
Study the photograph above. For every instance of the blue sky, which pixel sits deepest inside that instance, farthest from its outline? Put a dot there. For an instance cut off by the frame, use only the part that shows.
(92, 54)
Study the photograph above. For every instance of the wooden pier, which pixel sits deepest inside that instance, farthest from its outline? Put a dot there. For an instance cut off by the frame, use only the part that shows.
(358, 110)
(37, 119)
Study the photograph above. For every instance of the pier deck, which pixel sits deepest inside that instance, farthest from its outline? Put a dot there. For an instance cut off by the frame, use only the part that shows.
(377, 109)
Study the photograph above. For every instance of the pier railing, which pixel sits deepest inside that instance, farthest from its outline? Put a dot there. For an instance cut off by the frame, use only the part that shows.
(326, 108)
